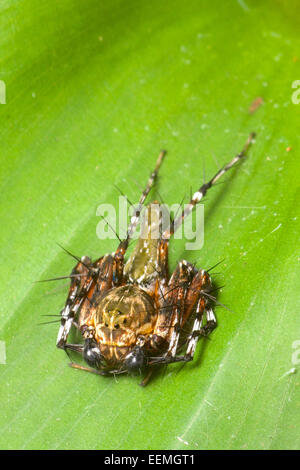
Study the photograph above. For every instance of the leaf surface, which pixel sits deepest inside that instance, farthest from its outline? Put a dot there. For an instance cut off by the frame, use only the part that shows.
(93, 92)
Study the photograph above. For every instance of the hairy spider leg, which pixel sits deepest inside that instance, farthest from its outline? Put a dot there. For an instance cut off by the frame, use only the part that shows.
(184, 293)
(199, 330)
(98, 277)
(193, 296)
(193, 339)
(198, 195)
(174, 302)
(135, 218)
(67, 313)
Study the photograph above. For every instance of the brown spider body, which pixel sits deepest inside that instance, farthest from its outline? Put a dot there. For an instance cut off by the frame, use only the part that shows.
(123, 315)
(132, 315)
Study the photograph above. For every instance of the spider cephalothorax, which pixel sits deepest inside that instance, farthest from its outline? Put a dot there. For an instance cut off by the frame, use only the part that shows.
(122, 316)
(132, 314)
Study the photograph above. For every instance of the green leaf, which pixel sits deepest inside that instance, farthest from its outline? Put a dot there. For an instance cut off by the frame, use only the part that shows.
(93, 91)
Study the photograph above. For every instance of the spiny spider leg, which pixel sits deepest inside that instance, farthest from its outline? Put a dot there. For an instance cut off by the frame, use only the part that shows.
(67, 313)
(211, 322)
(74, 347)
(203, 189)
(102, 283)
(170, 320)
(197, 331)
(80, 293)
(197, 328)
(192, 342)
(135, 218)
(180, 313)
(185, 272)
(77, 294)
(185, 294)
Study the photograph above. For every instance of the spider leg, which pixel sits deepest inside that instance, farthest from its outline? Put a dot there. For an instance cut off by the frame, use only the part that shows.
(82, 293)
(199, 330)
(102, 283)
(192, 342)
(74, 347)
(97, 371)
(187, 291)
(88, 369)
(146, 379)
(171, 317)
(68, 313)
(211, 322)
(196, 198)
(135, 218)
(200, 284)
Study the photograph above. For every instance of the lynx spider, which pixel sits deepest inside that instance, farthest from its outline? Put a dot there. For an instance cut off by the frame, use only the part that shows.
(131, 314)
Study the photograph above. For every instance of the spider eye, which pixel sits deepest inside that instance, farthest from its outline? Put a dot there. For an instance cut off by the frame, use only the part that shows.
(136, 360)
(92, 354)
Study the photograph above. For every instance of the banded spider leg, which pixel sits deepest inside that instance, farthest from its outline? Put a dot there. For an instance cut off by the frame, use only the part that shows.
(186, 299)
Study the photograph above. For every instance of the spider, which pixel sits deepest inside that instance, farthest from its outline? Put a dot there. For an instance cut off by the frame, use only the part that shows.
(131, 314)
